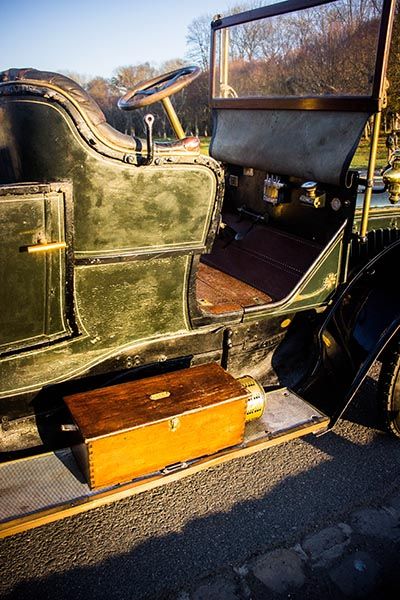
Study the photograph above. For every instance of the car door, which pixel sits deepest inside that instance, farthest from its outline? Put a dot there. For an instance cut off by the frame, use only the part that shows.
(32, 266)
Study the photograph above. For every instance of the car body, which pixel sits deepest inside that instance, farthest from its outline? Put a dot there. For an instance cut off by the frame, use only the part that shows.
(125, 258)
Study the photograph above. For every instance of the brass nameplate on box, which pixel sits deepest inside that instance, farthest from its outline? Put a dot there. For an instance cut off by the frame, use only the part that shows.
(141, 427)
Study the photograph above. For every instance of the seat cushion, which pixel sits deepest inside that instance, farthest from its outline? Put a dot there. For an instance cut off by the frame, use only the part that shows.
(85, 103)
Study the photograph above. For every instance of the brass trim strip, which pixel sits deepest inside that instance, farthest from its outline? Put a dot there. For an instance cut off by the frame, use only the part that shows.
(370, 175)
(150, 254)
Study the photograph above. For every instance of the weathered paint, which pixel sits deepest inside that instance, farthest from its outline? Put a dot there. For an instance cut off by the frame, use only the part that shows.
(119, 211)
(32, 295)
(316, 288)
(117, 207)
(119, 306)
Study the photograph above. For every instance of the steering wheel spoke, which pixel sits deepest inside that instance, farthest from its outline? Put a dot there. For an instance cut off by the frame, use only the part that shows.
(153, 90)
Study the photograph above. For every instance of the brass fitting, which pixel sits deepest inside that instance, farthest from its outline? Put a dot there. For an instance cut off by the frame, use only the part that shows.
(391, 177)
(310, 195)
(256, 401)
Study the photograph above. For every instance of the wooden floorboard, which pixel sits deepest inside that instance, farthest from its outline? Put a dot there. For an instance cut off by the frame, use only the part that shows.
(270, 261)
(218, 292)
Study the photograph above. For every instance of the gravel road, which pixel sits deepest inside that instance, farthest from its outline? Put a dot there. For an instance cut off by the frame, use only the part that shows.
(198, 537)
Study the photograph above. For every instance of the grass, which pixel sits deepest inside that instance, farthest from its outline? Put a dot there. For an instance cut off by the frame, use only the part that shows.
(204, 144)
(360, 159)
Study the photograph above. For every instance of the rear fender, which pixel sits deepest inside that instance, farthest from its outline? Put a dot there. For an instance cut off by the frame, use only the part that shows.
(359, 325)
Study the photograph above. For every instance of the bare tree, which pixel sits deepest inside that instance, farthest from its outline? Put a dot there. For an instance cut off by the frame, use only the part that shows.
(328, 49)
(394, 69)
(80, 78)
(171, 65)
(198, 41)
(128, 76)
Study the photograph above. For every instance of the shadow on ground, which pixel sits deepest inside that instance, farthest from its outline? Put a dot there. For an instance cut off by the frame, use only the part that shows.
(158, 542)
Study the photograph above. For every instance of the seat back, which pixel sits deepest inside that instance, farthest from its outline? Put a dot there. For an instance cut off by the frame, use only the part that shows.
(22, 91)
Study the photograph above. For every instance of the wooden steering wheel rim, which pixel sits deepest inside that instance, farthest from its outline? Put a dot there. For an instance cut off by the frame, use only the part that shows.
(159, 87)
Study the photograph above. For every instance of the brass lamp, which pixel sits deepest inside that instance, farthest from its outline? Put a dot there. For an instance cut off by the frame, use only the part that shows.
(391, 177)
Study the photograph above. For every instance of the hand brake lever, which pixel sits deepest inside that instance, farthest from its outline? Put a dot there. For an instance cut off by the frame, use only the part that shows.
(148, 121)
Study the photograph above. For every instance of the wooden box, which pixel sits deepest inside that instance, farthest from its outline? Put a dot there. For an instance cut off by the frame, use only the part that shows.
(140, 427)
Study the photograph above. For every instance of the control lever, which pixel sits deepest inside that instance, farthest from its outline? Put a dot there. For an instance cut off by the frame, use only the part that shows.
(148, 121)
(256, 218)
(242, 234)
(231, 234)
(243, 210)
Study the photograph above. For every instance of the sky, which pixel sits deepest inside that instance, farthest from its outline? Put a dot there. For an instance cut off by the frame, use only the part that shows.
(94, 37)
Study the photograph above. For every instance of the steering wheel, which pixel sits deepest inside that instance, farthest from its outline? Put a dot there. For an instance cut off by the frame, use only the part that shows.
(158, 88)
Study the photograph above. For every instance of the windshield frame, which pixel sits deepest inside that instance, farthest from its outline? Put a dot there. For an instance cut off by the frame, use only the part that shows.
(365, 103)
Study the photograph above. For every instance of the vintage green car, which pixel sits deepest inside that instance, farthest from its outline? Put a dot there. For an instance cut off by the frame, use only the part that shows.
(124, 259)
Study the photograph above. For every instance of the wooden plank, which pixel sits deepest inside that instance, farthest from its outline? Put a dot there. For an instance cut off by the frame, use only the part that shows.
(218, 292)
(362, 104)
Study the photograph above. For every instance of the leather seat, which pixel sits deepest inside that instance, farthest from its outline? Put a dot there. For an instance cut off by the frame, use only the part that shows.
(89, 109)
(86, 105)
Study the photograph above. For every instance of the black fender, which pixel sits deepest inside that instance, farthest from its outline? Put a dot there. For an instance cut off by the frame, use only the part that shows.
(364, 317)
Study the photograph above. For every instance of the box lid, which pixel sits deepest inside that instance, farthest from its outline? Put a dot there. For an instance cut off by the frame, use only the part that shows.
(133, 404)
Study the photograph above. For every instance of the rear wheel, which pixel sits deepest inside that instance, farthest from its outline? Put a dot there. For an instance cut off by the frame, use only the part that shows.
(389, 387)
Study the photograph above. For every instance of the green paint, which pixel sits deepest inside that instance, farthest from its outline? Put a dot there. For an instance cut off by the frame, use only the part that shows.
(118, 208)
(32, 294)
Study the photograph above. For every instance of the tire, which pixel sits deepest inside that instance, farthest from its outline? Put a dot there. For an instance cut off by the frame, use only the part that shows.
(389, 388)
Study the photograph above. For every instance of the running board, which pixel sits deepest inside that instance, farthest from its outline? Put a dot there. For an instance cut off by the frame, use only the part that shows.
(48, 487)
